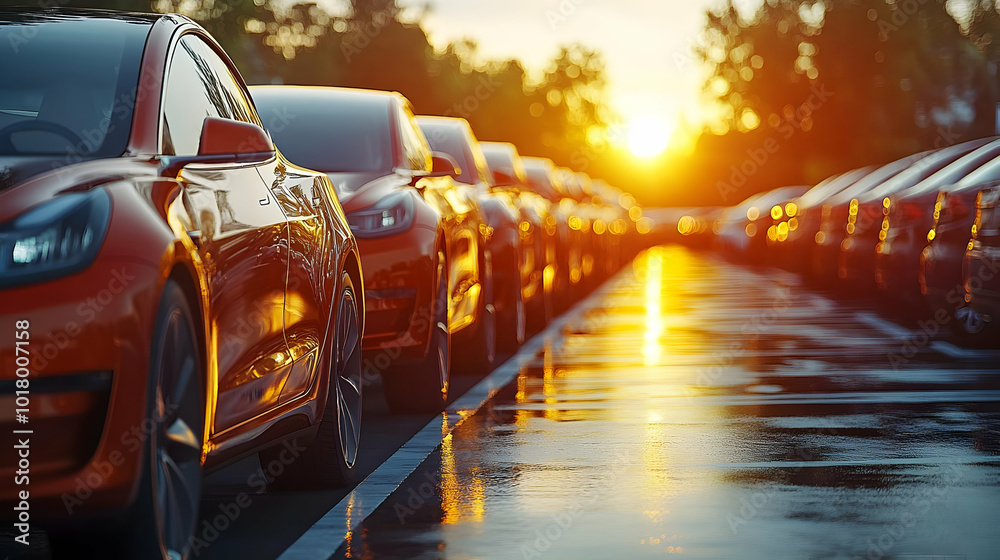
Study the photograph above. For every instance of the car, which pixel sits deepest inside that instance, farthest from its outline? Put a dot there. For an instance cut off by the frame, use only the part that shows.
(536, 270)
(183, 295)
(852, 220)
(542, 179)
(821, 250)
(454, 136)
(907, 218)
(421, 239)
(981, 277)
(575, 204)
(746, 228)
(802, 218)
(953, 216)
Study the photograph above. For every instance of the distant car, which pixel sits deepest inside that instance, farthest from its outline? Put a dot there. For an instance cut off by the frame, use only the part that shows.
(908, 216)
(821, 260)
(747, 227)
(177, 294)
(455, 137)
(536, 270)
(802, 216)
(543, 179)
(420, 239)
(981, 273)
(577, 206)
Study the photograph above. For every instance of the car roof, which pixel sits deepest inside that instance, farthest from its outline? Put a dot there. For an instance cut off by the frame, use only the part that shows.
(39, 15)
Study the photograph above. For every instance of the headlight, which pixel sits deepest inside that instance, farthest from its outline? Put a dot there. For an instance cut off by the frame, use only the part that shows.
(390, 215)
(55, 239)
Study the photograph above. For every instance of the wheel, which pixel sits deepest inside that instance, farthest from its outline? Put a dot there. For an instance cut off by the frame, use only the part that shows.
(424, 386)
(328, 461)
(970, 321)
(480, 352)
(162, 520)
(512, 324)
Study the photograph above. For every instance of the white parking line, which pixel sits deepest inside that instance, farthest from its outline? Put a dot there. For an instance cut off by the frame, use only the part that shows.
(900, 332)
(892, 329)
(324, 538)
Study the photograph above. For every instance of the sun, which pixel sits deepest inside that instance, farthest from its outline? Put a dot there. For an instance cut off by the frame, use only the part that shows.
(648, 136)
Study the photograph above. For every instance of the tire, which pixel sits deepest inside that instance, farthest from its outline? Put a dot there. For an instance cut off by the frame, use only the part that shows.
(328, 461)
(970, 321)
(423, 387)
(480, 351)
(512, 324)
(161, 522)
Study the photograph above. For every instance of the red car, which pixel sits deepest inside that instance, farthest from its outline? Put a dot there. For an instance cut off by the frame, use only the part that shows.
(420, 237)
(174, 293)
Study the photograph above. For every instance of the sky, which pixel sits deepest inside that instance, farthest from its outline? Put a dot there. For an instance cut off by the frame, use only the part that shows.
(647, 44)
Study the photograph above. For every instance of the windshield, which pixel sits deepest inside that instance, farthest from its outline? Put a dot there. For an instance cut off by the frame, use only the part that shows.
(68, 84)
(325, 131)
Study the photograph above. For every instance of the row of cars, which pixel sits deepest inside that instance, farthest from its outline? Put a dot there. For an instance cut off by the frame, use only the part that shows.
(193, 271)
(919, 233)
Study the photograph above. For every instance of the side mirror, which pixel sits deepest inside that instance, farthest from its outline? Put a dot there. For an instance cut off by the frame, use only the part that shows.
(443, 165)
(223, 141)
(225, 136)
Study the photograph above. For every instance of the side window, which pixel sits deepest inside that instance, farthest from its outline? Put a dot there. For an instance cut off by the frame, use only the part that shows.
(415, 148)
(199, 85)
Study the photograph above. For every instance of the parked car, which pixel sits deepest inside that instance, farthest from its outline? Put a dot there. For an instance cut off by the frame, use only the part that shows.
(536, 271)
(851, 227)
(455, 137)
(980, 275)
(543, 180)
(420, 239)
(184, 296)
(954, 215)
(822, 259)
(745, 229)
(802, 216)
(908, 216)
(578, 205)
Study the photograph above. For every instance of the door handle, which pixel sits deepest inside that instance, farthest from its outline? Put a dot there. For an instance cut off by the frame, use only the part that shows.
(264, 201)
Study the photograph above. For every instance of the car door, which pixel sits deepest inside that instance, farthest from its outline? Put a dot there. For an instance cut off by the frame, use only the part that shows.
(309, 289)
(243, 239)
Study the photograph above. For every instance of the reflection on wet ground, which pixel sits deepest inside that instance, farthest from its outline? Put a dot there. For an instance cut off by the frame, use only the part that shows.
(705, 409)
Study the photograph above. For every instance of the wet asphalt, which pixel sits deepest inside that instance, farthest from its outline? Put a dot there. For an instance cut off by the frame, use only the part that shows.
(710, 410)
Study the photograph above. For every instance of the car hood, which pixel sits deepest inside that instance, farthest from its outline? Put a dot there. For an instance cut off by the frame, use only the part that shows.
(15, 170)
(357, 191)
